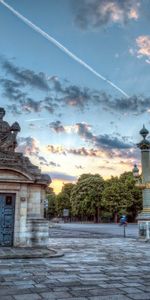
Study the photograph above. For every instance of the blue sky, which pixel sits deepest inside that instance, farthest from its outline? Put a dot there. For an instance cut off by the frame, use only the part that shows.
(72, 122)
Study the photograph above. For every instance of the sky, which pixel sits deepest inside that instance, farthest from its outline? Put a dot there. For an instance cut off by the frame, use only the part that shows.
(72, 121)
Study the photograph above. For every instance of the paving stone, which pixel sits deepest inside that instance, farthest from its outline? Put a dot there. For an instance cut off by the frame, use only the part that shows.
(55, 295)
(82, 293)
(75, 298)
(22, 282)
(142, 296)
(112, 285)
(27, 297)
(110, 297)
(60, 289)
(38, 290)
(133, 284)
(6, 298)
(145, 288)
(13, 291)
(131, 290)
(103, 292)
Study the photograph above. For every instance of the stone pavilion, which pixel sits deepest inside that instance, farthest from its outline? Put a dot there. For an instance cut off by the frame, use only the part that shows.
(22, 193)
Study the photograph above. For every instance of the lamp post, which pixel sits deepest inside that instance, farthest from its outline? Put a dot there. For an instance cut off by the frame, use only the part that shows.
(144, 216)
(136, 172)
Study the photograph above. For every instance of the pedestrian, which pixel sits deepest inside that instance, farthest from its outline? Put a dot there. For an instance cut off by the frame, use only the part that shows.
(123, 220)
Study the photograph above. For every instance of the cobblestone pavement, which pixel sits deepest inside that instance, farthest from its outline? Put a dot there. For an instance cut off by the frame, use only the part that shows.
(92, 268)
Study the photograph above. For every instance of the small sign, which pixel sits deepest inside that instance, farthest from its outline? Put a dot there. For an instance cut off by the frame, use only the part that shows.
(46, 203)
(23, 199)
(65, 212)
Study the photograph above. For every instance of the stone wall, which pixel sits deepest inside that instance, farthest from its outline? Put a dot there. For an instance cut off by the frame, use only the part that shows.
(29, 226)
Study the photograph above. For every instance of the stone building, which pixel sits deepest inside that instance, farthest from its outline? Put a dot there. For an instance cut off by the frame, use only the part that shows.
(22, 193)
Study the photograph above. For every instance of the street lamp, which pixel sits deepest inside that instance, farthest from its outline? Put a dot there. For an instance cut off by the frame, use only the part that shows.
(136, 172)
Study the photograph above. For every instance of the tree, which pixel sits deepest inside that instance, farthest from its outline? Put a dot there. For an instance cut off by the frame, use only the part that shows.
(136, 205)
(63, 198)
(52, 209)
(121, 194)
(116, 197)
(86, 197)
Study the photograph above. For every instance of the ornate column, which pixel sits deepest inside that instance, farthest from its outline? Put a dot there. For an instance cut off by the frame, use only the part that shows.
(144, 216)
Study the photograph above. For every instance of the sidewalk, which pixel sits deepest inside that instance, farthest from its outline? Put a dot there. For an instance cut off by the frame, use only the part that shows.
(92, 269)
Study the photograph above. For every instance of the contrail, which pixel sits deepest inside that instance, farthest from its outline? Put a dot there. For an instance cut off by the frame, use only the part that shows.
(60, 46)
(33, 120)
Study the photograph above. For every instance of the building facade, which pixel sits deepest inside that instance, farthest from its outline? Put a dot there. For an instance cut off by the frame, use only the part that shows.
(22, 193)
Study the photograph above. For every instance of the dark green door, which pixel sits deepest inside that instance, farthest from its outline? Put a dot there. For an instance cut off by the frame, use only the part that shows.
(7, 211)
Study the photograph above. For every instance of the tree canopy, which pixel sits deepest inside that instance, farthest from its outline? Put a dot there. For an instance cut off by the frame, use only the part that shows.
(86, 196)
(93, 198)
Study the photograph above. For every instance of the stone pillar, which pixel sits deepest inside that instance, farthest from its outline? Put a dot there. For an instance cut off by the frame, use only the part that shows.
(144, 216)
(23, 214)
(37, 227)
(43, 196)
(34, 201)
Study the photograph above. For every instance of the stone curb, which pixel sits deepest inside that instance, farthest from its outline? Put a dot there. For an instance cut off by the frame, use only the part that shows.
(51, 253)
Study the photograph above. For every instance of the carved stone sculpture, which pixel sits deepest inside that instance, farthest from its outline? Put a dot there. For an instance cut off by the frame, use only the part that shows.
(10, 158)
(8, 134)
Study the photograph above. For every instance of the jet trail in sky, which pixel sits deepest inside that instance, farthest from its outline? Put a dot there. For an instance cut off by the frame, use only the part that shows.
(60, 46)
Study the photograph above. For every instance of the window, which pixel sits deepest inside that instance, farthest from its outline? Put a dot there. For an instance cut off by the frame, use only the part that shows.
(8, 200)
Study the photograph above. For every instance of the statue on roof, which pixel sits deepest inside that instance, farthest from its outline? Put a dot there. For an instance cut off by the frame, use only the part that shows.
(8, 134)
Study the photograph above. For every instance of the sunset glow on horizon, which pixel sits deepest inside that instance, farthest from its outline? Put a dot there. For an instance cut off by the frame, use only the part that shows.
(73, 122)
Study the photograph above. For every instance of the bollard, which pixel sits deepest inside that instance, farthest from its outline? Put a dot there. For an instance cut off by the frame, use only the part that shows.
(147, 231)
(124, 230)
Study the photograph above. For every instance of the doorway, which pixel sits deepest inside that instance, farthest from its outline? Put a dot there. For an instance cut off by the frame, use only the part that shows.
(7, 212)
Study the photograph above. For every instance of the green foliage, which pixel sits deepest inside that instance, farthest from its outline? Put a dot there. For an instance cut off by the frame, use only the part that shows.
(86, 196)
(63, 198)
(92, 197)
(116, 197)
(52, 209)
(121, 194)
(136, 203)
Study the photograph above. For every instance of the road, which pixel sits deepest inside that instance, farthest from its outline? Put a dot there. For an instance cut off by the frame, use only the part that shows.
(95, 230)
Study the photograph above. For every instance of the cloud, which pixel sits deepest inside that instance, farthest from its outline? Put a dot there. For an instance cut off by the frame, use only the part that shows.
(62, 176)
(43, 161)
(62, 94)
(84, 152)
(105, 167)
(11, 90)
(55, 149)
(102, 141)
(13, 108)
(49, 104)
(79, 167)
(107, 142)
(134, 104)
(53, 164)
(143, 44)
(28, 146)
(83, 130)
(30, 105)
(26, 76)
(91, 14)
(75, 96)
(57, 126)
(56, 84)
